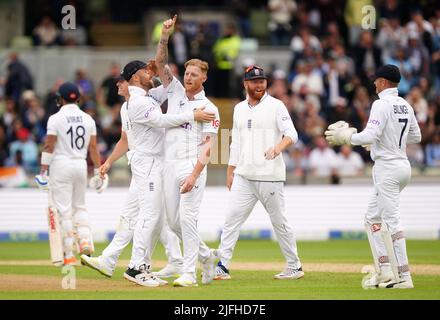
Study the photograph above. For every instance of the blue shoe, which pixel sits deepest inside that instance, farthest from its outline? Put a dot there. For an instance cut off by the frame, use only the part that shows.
(221, 272)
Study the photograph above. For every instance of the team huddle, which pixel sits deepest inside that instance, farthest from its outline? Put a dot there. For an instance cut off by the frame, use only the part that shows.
(168, 154)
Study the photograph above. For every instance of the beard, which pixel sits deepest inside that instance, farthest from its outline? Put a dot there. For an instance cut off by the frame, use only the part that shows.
(148, 84)
(256, 95)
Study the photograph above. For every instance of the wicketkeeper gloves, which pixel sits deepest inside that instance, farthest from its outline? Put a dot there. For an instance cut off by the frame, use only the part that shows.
(339, 133)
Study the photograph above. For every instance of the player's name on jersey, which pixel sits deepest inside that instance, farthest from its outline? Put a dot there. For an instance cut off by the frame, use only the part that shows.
(74, 119)
(400, 109)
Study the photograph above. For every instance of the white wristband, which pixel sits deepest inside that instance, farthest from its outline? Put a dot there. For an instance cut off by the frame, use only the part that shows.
(96, 171)
(46, 158)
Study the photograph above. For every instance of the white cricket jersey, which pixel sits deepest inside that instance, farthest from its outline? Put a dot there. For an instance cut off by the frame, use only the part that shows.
(184, 142)
(126, 126)
(73, 128)
(145, 121)
(255, 130)
(391, 125)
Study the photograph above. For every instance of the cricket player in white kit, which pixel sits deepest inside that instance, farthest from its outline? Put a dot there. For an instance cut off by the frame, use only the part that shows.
(147, 122)
(262, 129)
(187, 152)
(391, 126)
(70, 134)
(106, 262)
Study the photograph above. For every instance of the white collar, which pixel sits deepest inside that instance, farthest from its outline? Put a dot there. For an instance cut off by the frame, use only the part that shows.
(136, 91)
(70, 106)
(388, 92)
(262, 98)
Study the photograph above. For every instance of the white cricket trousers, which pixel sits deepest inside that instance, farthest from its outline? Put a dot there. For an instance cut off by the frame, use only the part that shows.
(68, 183)
(244, 196)
(183, 210)
(147, 174)
(390, 178)
(125, 231)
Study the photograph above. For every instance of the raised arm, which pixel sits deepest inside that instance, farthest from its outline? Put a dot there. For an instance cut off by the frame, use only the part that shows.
(164, 71)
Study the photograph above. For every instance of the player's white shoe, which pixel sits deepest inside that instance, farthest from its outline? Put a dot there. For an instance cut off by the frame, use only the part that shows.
(147, 270)
(169, 271)
(290, 273)
(96, 264)
(221, 272)
(404, 283)
(186, 280)
(208, 267)
(141, 277)
(378, 278)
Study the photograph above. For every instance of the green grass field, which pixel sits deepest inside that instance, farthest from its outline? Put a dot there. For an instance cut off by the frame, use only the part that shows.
(28, 262)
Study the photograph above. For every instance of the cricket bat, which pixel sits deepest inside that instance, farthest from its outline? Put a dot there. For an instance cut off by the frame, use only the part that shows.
(55, 238)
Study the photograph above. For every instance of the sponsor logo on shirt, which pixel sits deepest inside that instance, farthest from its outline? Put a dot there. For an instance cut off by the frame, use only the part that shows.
(148, 112)
(186, 126)
(374, 122)
(215, 123)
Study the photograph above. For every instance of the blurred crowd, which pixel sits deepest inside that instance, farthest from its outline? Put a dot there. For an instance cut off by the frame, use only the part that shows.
(332, 60)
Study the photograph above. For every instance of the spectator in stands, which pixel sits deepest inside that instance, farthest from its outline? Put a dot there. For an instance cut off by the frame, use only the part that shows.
(111, 124)
(422, 28)
(332, 38)
(390, 8)
(308, 82)
(349, 163)
(279, 88)
(201, 48)
(367, 56)
(339, 111)
(418, 56)
(3, 146)
(14, 177)
(314, 123)
(322, 159)
(354, 15)
(108, 92)
(226, 50)
(46, 33)
(50, 101)
(28, 149)
(344, 63)
(7, 119)
(361, 108)
(18, 78)
(433, 151)
(74, 37)
(304, 39)
(85, 85)
(334, 83)
(400, 59)
(391, 37)
(296, 160)
(420, 105)
(281, 13)
(32, 115)
(240, 8)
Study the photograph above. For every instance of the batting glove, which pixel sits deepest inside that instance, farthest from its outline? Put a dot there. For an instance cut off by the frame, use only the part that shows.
(42, 181)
